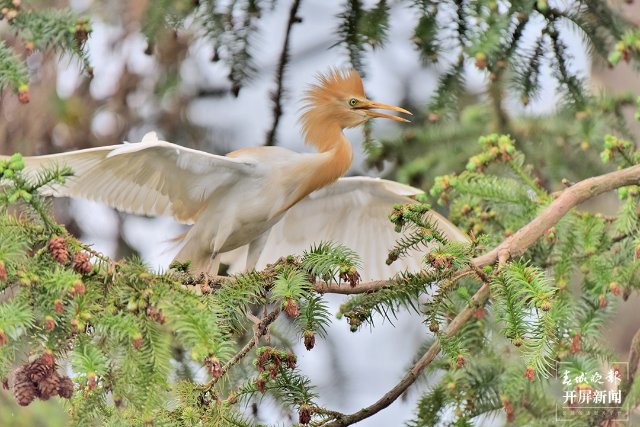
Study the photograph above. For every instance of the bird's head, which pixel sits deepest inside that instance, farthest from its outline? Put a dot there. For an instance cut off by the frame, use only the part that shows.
(338, 99)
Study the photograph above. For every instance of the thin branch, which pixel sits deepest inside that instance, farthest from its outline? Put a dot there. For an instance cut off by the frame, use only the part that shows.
(282, 65)
(496, 94)
(260, 330)
(410, 377)
(344, 288)
(632, 366)
(570, 197)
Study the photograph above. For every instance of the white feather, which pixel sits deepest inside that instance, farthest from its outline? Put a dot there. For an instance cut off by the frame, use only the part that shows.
(353, 212)
(233, 201)
(151, 177)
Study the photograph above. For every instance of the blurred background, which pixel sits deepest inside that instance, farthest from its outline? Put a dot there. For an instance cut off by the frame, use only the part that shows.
(183, 88)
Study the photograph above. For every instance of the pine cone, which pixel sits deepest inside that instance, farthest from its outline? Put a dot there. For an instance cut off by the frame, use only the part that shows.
(291, 360)
(3, 272)
(23, 90)
(213, 366)
(81, 263)
(261, 383)
(78, 288)
(24, 390)
(58, 249)
(291, 307)
(351, 276)
(58, 306)
(304, 414)
(41, 368)
(309, 339)
(48, 386)
(49, 323)
(156, 314)
(65, 387)
(137, 342)
(92, 381)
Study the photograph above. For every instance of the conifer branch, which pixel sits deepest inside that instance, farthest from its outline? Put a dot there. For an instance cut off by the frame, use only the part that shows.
(414, 373)
(261, 329)
(570, 197)
(282, 65)
(627, 384)
(323, 287)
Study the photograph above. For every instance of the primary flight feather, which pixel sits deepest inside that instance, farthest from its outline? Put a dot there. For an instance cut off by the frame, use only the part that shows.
(257, 203)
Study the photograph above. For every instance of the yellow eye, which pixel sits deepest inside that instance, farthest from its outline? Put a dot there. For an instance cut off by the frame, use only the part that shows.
(353, 102)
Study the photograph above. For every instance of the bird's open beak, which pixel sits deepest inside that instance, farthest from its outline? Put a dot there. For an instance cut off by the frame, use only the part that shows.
(370, 105)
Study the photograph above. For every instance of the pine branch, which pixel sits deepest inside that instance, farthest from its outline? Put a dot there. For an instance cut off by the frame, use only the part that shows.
(628, 383)
(425, 35)
(520, 241)
(276, 96)
(13, 71)
(348, 31)
(412, 375)
(260, 330)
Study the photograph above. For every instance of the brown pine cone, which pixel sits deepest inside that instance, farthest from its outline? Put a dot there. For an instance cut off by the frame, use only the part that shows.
(309, 339)
(304, 414)
(24, 390)
(291, 307)
(156, 314)
(81, 263)
(78, 288)
(48, 386)
(58, 249)
(65, 387)
(290, 360)
(41, 368)
(3, 272)
(213, 366)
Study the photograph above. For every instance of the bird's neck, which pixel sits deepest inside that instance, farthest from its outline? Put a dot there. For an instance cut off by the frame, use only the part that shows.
(333, 160)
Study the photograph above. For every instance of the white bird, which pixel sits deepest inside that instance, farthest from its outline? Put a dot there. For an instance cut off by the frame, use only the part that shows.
(263, 202)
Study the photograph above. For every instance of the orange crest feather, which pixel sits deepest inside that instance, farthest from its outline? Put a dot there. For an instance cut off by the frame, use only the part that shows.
(336, 83)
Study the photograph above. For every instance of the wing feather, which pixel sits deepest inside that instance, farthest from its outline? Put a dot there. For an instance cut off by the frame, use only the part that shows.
(353, 212)
(150, 177)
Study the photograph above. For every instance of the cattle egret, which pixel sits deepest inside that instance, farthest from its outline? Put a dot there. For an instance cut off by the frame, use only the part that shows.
(259, 202)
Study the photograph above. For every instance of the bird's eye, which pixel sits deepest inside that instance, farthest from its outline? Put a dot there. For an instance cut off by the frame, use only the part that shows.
(353, 102)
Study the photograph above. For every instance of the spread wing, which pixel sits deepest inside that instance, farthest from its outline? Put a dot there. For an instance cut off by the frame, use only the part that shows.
(150, 177)
(353, 212)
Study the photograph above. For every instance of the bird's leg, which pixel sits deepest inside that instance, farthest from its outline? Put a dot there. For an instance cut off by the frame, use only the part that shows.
(214, 264)
(253, 256)
(255, 250)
